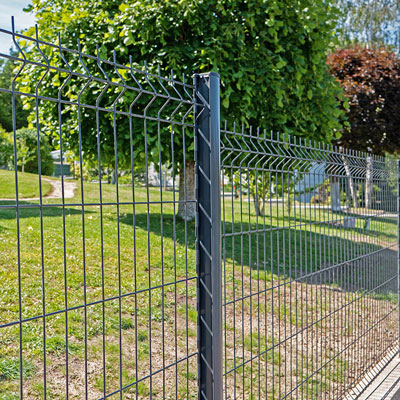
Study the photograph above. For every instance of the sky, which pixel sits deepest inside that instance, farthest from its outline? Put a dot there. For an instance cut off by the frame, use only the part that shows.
(22, 19)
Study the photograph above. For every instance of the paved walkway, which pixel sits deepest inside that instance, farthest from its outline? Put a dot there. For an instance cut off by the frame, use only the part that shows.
(55, 192)
(385, 386)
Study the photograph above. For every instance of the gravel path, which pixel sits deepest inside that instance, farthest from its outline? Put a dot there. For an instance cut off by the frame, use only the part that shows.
(56, 190)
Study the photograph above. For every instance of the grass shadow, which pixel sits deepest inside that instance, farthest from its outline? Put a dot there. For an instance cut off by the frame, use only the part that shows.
(172, 227)
(346, 258)
(34, 212)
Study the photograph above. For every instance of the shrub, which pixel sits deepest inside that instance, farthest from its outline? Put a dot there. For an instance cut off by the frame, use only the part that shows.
(6, 148)
(27, 152)
(370, 80)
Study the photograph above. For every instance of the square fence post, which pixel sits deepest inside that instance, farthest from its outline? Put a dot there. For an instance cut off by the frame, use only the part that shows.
(208, 191)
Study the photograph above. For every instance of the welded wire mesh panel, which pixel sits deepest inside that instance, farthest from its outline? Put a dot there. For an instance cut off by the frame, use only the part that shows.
(309, 245)
(97, 237)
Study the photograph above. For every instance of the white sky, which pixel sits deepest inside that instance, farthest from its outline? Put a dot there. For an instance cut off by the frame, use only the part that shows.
(22, 20)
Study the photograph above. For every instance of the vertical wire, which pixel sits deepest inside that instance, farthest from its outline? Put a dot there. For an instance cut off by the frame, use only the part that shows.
(301, 239)
(284, 265)
(289, 274)
(264, 170)
(105, 88)
(233, 281)
(317, 275)
(118, 222)
(134, 218)
(83, 219)
(325, 262)
(174, 231)
(224, 301)
(250, 276)
(258, 273)
(308, 257)
(242, 266)
(185, 199)
(320, 273)
(148, 229)
(271, 244)
(162, 239)
(186, 243)
(41, 217)
(134, 222)
(278, 262)
(59, 110)
(295, 268)
(234, 278)
(14, 123)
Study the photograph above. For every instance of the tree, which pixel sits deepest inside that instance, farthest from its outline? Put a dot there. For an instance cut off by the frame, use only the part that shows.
(6, 76)
(6, 148)
(371, 82)
(270, 55)
(370, 21)
(27, 152)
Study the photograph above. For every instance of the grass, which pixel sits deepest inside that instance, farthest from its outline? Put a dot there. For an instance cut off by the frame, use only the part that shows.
(294, 242)
(28, 185)
(10, 368)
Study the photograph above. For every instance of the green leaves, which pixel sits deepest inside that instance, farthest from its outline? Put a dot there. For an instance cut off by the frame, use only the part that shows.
(270, 56)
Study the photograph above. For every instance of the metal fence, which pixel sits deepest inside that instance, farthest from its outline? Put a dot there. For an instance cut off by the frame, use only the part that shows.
(310, 266)
(187, 259)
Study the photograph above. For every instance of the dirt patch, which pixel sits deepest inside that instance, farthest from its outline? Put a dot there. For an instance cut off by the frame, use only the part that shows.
(282, 338)
(303, 340)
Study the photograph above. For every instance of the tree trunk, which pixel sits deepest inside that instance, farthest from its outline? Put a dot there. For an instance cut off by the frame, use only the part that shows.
(335, 194)
(187, 210)
(258, 204)
(322, 194)
(353, 191)
(368, 183)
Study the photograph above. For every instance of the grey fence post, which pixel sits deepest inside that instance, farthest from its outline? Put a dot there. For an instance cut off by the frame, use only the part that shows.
(209, 283)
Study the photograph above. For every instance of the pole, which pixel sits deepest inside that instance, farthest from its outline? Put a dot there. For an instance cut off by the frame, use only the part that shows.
(208, 192)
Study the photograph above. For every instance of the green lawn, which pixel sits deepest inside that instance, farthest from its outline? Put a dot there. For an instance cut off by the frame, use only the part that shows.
(28, 185)
(292, 242)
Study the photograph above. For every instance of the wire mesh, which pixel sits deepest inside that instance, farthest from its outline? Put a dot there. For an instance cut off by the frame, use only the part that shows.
(97, 269)
(309, 244)
(98, 280)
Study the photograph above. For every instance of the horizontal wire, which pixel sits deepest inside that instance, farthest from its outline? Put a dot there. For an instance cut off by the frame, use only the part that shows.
(310, 326)
(102, 301)
(306, 276)
(98, 108)
(123, 203)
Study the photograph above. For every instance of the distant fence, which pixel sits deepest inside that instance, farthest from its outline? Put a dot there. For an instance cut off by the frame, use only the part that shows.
(310, 294)
(266, 269)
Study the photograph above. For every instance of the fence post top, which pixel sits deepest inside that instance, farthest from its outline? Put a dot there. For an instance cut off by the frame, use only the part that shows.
(207, 74)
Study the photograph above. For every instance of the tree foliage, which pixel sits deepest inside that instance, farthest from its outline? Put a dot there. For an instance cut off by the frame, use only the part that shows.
(6, 76)
(371, 83)
(6, 148)
(270, 55)
(28, 154)
(370, 21)
(27, 151)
